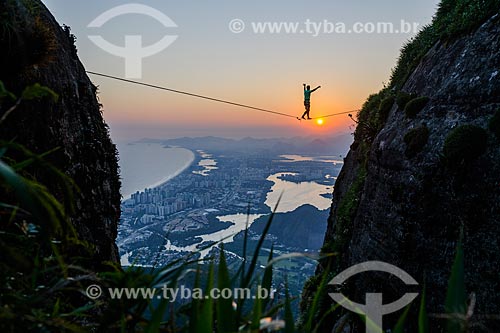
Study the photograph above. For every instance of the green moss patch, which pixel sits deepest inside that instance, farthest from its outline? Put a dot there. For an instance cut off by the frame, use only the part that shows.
(464, 144)
(494, 124)
(415, 140)
(385, 107)
(403, 98)
(346, 212)
(372, 116)
(416, 105)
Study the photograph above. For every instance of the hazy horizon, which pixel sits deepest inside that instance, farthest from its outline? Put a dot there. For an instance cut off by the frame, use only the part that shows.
(128, 133)
(263, 70)
(267, 136)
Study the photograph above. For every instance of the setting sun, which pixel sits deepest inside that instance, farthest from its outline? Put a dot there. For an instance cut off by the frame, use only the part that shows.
(319, 121)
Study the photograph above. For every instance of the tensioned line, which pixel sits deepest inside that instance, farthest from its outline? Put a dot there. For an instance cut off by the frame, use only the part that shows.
(209, 98)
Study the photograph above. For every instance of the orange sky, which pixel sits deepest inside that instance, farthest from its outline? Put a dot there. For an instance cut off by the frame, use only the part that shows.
(264, 70)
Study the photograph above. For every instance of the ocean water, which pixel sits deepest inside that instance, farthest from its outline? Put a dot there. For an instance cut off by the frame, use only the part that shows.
(147, 165)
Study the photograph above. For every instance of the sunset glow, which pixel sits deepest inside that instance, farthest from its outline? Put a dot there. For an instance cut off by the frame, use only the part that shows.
(264, 70)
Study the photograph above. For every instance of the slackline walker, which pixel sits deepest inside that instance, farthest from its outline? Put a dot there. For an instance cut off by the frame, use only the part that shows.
(217, 99)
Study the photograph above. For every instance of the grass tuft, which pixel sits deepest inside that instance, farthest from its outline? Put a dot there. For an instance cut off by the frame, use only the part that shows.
(415, 140)
(416, 105)
(464, 144)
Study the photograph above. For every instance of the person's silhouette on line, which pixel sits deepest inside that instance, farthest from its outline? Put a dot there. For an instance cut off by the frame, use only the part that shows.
(307, 99)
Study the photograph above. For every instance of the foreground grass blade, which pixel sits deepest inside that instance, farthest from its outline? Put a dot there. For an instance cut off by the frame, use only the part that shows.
(251, 269)
(456, 299)
(423, 320)
(311, 314)
(245, 244)
(156, 320)
(289, 321)
(400, 325)
(226, 316)
(267, 279)
(262, 238)
(195, 305)
(16, 182)
(205, 324)
(256, 314)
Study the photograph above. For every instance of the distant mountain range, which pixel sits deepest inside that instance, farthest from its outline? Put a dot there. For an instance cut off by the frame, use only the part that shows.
(305, 227)
(331, 145)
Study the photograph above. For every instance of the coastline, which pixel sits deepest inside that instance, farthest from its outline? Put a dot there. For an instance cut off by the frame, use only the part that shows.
(229, 218)
(178, 172)
(160, 180)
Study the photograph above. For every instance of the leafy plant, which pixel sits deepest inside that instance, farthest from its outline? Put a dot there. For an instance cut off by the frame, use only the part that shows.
(38, 91)
(35, 91)
(4, 93)
(37, 240)
(315, 315)
(453, 19)
(60, 306)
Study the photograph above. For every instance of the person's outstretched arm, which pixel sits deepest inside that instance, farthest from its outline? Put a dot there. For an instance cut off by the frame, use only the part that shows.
(304, 86)
(316, 88)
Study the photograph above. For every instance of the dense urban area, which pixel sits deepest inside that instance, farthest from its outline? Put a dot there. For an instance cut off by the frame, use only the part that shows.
(177, 218)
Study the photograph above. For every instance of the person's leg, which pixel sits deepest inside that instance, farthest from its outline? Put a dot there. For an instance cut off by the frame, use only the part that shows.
(308, 109)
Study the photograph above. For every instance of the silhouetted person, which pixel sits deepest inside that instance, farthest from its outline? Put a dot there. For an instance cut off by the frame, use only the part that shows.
(307, 99)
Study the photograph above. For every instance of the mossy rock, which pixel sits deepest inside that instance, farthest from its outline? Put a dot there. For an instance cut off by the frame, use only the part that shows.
(370, 107)
(494, 124)
(464, 144)
(403, 98)
(385, 107)
(369, 122)
(452, 20)
(416, 105)
(346, 212)
(29, 41)
(415, 140)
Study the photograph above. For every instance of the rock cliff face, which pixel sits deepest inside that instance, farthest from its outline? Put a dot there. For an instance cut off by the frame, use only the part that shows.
(408, 205)
(35, 49)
